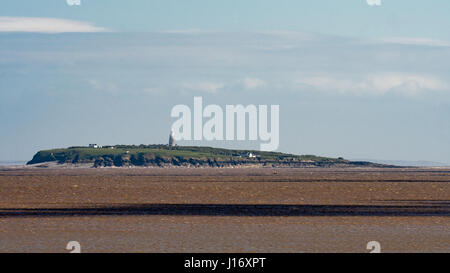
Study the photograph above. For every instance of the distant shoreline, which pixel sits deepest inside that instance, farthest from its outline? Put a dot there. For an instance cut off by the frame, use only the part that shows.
(13, 163)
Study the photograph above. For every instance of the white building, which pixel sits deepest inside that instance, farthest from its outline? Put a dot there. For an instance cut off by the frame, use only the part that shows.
(95, 146)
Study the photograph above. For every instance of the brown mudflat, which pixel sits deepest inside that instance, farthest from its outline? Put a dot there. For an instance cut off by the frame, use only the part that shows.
(225, 210)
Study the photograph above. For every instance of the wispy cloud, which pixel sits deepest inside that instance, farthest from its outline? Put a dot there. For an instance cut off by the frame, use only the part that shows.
(187, 31)
(376, 84)
(227, 64)
(104, 86)
(46, 25)
(416, 41)
(252, 83)
(208, 86)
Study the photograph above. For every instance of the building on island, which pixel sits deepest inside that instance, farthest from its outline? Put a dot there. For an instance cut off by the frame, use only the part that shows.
(95, 146)
(172, 139)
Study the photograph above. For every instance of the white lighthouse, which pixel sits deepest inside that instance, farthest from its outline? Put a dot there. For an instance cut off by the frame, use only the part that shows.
(172, 138)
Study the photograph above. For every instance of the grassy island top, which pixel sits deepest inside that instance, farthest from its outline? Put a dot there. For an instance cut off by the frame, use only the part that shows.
(184, 156)
(87, 154)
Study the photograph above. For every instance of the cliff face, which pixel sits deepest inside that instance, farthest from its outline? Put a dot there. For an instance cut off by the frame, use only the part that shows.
(165, 156)
(158, 161)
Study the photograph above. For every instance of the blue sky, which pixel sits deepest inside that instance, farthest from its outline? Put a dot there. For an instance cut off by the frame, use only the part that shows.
(412, 18)
(351, 80)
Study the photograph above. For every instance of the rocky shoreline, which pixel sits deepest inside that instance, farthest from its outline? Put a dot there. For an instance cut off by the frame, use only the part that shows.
(225, 165)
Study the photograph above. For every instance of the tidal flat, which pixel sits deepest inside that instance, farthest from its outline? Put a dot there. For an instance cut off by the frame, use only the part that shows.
(225, 209)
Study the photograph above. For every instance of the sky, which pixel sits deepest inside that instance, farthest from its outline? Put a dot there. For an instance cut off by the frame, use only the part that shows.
(352, 80)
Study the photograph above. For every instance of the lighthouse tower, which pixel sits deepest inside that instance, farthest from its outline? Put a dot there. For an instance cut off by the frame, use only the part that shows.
(172, 139)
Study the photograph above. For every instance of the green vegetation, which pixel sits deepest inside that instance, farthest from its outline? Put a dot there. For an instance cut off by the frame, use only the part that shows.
(163, 155)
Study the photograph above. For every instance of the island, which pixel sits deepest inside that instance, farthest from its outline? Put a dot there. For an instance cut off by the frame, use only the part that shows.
(184, 156)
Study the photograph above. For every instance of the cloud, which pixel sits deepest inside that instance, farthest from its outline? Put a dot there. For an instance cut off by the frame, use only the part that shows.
(106, 86)
(152, 91)
(45, 25)
(415, 41)
(373, 2)
(376, 84)
(252, 83)
(208, 87)
(187, 31)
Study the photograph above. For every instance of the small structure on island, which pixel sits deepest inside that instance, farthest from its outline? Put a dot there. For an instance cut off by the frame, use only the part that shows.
(248, 155)
(95, 146)
(172, 138)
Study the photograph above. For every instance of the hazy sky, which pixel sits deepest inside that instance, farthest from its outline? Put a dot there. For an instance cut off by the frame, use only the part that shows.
(351, 80)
